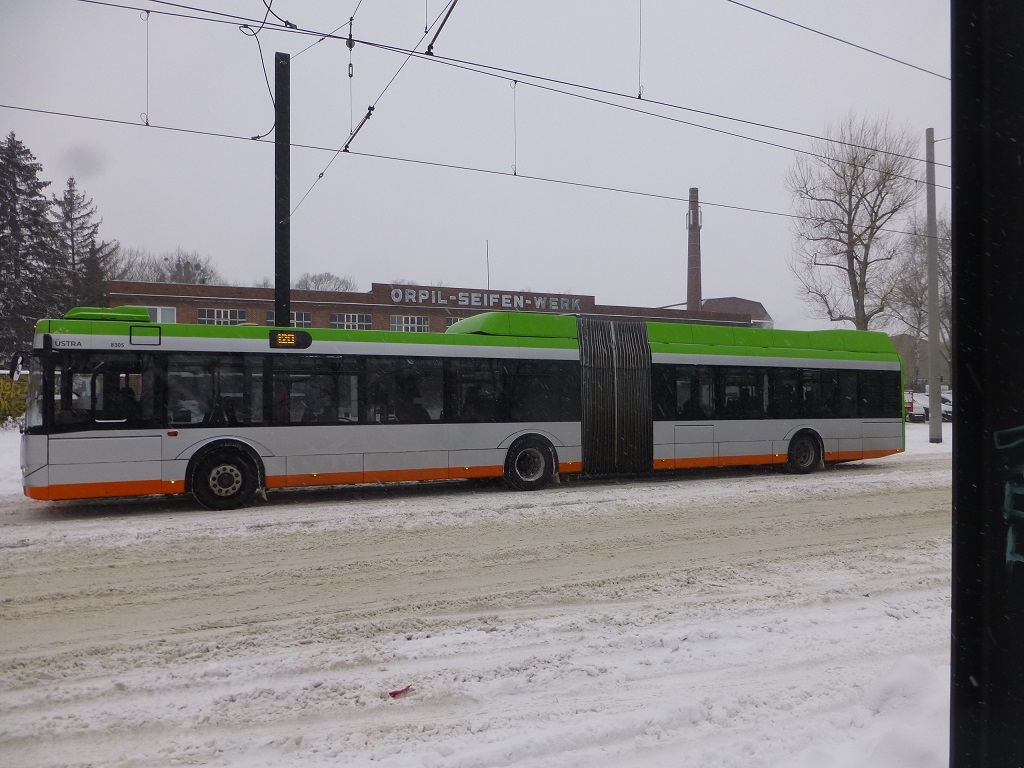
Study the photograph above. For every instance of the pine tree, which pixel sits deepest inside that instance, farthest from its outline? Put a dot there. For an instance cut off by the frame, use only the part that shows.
(27, 256)
(83, 258)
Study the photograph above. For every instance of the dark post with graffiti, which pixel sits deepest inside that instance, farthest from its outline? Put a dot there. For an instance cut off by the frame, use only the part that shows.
(987, 706)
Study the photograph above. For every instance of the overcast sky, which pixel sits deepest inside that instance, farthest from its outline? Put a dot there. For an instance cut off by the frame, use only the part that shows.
(377, 219)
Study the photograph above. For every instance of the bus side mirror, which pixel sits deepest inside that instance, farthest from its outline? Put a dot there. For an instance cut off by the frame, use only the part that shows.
(17, 365)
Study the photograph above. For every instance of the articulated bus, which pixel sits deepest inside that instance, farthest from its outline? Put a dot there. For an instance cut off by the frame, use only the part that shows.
(121, 406)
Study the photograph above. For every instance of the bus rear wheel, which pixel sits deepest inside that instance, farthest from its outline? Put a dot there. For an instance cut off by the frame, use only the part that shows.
(224, 479)
(529, 464)
(804, 454)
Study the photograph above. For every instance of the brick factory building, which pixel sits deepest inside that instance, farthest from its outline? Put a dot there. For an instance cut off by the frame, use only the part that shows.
(388, 306)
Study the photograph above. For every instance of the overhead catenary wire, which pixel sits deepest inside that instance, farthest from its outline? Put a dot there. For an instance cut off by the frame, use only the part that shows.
(255, 35)
(486, 69)
(431, 163)
(333, 32)
(145, 115)
(640, 50)
(371, 108)
(838, 39)
(526, 77)
(515, 131)
(722, 131)
(430, 46)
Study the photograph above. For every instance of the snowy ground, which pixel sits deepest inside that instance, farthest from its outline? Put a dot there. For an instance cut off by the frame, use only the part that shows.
(737, 618)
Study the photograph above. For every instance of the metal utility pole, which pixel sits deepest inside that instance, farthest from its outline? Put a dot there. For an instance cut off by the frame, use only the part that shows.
(282, 190)
(934, 330)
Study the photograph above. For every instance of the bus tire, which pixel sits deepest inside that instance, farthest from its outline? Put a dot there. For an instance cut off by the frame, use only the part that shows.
(530, 463)
(224, 479)
(804, 453)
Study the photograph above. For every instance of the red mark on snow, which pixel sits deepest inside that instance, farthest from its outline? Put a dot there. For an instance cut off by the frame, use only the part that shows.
(400, 692)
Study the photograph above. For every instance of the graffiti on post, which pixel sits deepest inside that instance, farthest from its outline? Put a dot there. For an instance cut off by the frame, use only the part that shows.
(1010, 442)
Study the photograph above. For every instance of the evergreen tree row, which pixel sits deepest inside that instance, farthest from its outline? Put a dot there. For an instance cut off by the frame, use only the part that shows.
(51, 254)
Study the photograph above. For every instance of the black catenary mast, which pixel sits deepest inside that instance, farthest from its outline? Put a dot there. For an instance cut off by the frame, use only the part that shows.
(987, 705)
(282, 189)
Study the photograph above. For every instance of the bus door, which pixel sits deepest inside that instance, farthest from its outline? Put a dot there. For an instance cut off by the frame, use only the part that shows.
(99, 409)
(694, 401)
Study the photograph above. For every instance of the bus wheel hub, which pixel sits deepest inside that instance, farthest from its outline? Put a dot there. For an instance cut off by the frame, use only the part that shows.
(225, 480)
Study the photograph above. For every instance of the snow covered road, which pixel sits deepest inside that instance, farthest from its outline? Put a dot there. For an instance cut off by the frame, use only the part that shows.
(743, 617)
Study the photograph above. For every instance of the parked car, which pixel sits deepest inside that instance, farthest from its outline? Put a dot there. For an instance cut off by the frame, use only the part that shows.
(918, 409)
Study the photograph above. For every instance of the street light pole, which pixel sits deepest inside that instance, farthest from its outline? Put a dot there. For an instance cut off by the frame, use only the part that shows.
(934, 328)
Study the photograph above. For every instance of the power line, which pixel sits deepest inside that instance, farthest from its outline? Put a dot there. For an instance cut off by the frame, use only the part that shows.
(426, 163)
(351, 18)
(229, 18)
(511, 75)
(369, 110)
(508, 78)
(838, 39)
(489, 70)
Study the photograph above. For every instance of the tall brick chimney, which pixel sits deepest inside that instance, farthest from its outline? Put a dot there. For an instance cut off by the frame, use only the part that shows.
(693, 295)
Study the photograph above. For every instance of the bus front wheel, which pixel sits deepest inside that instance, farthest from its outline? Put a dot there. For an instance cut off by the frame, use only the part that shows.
(529, 464)
(804, 454)
(224, 479)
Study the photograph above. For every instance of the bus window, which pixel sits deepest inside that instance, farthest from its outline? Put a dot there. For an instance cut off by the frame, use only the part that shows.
(880, 394)
(682, 392)
(542, 390)
(34, 403)
(695, 386)
(208, 389)
(785, 401)
(741, 393)
(663, 392)
(846, 407)
(477, 392)
(98, 391)
(305, 390)
(403, 390)
(819, 393)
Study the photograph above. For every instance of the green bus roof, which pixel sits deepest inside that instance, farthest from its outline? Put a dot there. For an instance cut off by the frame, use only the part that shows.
(122, 314)
(493, 329)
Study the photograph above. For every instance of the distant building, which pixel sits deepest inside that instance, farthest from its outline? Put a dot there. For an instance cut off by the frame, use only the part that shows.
(732, 305)
(388, 306)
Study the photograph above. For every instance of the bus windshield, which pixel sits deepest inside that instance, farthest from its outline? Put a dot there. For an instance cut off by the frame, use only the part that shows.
(34, 404)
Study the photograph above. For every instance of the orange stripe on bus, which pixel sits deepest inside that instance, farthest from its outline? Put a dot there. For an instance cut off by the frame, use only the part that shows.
(151, 487)
(351, 478)
(68, 491)
(467, 472)
(875, 453)
(313, 478)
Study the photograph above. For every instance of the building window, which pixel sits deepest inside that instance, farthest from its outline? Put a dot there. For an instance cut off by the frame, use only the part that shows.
(347, 322)
(450, 321)
(221, 316)
(299, 319)
(412, 323)
(161, 314)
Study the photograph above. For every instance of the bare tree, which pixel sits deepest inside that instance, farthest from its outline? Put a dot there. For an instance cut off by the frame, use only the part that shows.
(325, 281)
(179, 266)
(850, 194)
(406, 281)
(127, 264)
(909, 305)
